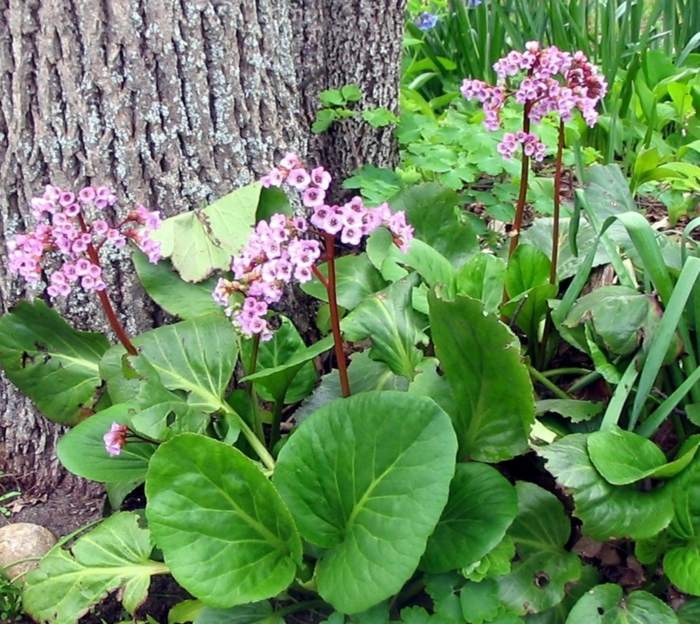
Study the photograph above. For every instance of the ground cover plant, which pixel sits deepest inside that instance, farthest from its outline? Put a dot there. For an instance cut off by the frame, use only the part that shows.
(494, 417)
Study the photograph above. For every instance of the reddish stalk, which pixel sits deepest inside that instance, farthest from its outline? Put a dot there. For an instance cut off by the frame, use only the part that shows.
(330, 284)
(557, 205)
(111, 315)
(524, 177)
(320, 277)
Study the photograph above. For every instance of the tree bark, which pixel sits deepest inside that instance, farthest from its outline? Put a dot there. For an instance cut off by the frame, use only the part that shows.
(173, 103)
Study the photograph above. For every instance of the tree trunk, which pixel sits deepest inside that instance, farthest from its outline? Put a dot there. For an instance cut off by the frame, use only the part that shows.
(173, 103)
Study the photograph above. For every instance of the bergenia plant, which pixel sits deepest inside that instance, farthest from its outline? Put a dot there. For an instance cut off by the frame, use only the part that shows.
(66, 245)
(287, 249)
(544, 81)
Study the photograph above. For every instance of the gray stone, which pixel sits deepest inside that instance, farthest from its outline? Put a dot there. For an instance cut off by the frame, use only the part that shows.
(20, 541)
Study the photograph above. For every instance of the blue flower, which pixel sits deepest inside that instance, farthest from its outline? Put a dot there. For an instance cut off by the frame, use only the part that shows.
(472, 4)
(426, 21)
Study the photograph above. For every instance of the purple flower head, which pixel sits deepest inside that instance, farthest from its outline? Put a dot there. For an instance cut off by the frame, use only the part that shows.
(427, 21)
(115, 439)
(545, 81)
(64, 232)
(285, 250)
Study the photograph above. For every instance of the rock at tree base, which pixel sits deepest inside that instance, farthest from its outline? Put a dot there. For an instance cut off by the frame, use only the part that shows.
(20, 541)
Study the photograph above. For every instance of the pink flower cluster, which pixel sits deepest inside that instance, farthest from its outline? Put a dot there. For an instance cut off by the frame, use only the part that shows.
(283, 250)
(115, 439)
(62, 230)
(275, 254)
(352, 221)
(551, 81)
(532, 146)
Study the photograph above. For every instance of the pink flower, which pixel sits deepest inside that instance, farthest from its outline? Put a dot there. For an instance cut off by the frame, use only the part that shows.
(313, 197)
(63, 229)
(549, 80)
(115, 439)
(87, 194)
(299, 179)
(283, 250)
(321, 178)
(290, 161)
(273, 178)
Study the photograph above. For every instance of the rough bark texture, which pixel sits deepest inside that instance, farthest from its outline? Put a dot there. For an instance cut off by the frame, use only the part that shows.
(359, 46)
(172, 102)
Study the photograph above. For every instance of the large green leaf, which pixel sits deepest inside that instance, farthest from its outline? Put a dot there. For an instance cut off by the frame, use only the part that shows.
(389, 320)
(606, 604)
(366, 478)
(284, 345)
(202, 241)
(82, 449)
(429, 383)
(618, 316)
(356, 278)
(282, 375)
(682, 563)
(481, 506)
(540, 232)
(114, 555)
(197, 612)
(682, 566)
(171, 292)
(364, 375)
(53, 364)
(160, 412)
(478, 354)
(224, 531)
(590, 577)
(543, 569)
(435, 213)
(574, 410)
(528, 267)
(623, 457)
(429, 263)
(197, 356)
(482, 277)
(689, 613)
(607, 511)
(607, 191)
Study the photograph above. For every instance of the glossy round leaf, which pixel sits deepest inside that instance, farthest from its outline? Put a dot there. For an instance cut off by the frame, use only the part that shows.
(49, 361)
(366, 478)
(225, 533)
(682, 566)
(623, 457)
(82, 449)
(171, 292)
(607, 511)
(543, 568)
(606, 604)
(394, 327)
(481, 506)
(197, 356)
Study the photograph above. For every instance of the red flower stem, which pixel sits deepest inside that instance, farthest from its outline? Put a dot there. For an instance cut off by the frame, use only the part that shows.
(320, 277)
(111, 315)
(524, 176)
(557, 205)
(329, 240)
